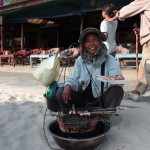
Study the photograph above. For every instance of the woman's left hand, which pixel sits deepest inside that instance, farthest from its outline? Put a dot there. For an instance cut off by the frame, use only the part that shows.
(117, 77)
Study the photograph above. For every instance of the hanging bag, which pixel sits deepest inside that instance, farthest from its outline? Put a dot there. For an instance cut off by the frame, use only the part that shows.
(48, 71)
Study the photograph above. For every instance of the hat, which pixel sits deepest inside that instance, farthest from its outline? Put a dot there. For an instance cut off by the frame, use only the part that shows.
(91, 30)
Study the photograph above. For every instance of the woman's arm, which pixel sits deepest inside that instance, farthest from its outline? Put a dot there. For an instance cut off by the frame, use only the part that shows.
(66, 95)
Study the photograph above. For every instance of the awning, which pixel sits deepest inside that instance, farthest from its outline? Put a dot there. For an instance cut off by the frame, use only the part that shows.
(58, 8)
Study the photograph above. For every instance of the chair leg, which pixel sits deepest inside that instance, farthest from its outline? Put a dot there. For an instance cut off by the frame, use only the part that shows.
(1, 61)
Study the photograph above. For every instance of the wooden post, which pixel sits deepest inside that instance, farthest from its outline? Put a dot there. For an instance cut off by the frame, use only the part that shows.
(22, 37)
(1, 37)
(137, 49)
(57, 36)
(1, 32)
(81, 29)
(1, 2)
(81, 23)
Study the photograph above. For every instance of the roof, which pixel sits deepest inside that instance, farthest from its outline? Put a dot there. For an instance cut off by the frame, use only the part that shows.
(54, 8)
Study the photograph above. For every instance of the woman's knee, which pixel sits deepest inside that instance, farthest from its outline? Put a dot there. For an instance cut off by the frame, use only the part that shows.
(117, 91)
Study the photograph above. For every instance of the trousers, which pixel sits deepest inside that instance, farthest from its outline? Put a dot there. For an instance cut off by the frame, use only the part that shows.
(110, 99)
(144, 69)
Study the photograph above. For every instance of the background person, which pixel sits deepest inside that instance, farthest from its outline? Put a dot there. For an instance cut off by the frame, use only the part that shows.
(141, 7)
(82, 88)
(109, 28)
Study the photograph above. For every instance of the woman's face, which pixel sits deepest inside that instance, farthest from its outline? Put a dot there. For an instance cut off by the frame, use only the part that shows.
(91, 43)
(103, 14)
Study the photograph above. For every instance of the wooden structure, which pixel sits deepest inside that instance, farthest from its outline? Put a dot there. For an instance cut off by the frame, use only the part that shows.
(51, 23)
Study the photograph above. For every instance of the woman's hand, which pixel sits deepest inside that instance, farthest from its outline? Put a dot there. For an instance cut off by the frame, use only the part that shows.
(136, 30)
(113, 17)
(118, 77)
(66, 95)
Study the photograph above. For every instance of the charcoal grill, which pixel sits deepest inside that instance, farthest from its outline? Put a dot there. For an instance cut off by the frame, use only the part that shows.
(79, 141)
(82, 120)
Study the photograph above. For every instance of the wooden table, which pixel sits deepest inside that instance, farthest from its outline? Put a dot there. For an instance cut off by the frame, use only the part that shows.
(11, 59)
(40, 56)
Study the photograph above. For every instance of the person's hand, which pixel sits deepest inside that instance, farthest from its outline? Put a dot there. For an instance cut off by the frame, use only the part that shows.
(119, 77)
(66, 95)
(136, 30)
(113, 17)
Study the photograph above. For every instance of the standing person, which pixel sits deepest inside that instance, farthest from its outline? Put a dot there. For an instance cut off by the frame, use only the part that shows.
(82, 87)
(141, 7)
(109, 28)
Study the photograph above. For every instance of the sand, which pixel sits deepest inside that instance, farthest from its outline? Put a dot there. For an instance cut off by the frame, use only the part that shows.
(22, 108)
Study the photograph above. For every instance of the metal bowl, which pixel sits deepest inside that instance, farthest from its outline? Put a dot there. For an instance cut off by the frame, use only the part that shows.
(79, 141)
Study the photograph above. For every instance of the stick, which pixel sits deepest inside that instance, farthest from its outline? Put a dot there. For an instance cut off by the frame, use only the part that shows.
(137, 45)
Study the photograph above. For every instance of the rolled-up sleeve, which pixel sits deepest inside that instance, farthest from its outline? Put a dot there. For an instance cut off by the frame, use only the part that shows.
(132, 9)
(72, 80)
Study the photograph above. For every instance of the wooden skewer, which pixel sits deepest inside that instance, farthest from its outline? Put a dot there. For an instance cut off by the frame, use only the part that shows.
(91, 113)
(137, 45)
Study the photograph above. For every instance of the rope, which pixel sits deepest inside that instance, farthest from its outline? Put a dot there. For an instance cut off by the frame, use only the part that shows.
(45, 133)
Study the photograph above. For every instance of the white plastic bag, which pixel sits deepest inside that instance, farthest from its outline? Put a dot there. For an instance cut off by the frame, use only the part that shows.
(48, 70)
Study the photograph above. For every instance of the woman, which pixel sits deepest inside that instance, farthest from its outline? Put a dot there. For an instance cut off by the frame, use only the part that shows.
(109, 28)
(82, 88)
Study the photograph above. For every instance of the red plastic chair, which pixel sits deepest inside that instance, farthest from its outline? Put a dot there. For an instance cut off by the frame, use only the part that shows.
(19, 56)
(6, 52)
(5, 57)
(55, 50)
(26, 56)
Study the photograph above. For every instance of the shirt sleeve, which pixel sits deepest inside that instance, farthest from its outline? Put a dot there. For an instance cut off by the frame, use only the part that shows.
(104, 26)
(134, 8)
(72, 80)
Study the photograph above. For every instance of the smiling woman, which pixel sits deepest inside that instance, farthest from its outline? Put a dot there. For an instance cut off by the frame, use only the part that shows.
(82, 89)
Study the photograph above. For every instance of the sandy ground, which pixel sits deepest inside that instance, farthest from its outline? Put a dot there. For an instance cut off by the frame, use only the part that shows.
(22, 108)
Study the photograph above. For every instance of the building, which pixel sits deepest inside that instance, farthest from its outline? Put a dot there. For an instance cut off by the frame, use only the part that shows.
(55, 23)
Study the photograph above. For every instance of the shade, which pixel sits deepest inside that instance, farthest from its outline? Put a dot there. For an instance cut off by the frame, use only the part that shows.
(58, 8)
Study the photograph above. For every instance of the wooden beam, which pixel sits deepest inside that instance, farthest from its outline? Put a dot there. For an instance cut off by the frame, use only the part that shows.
(21, 4)
(1, 27)
(22, 36)
(1, 2)
(81, 23)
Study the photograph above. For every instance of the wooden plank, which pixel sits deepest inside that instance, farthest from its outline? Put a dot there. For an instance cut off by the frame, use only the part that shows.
(21, 5)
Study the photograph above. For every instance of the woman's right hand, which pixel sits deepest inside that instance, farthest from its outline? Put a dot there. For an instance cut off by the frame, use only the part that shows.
(66, 95)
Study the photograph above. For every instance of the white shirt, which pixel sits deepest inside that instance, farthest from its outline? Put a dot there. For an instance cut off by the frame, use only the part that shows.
(110, 28)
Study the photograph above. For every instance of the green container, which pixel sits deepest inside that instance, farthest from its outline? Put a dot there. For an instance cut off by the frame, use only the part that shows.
(51, 90)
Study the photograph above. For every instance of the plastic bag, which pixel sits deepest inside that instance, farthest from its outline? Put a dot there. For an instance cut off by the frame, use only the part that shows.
(48, 70)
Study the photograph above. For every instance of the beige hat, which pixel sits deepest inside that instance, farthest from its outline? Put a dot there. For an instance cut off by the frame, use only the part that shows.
(91, 30)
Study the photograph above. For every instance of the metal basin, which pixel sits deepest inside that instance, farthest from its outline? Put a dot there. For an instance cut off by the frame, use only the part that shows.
(79, 141)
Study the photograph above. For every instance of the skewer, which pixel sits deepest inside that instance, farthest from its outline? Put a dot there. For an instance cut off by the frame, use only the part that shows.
(84, 112)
